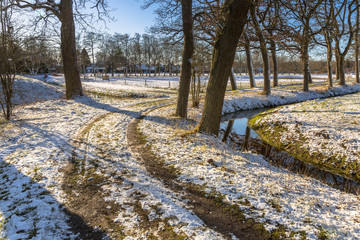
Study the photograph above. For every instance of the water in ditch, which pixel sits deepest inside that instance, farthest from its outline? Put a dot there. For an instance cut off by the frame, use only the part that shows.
(236, 132)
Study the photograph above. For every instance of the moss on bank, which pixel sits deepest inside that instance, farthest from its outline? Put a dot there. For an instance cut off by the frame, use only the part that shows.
(272, 133)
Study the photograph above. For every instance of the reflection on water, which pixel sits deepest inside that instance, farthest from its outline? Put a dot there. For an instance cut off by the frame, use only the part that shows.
(237, 132)
(241, 120)
(239, 127)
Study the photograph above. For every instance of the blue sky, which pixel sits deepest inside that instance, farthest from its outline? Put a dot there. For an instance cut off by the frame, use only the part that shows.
(130, 18)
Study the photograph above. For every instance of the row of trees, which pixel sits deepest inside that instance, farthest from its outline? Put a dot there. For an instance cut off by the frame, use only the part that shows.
(216, 28)
(269, 25)
(129, 54)
(60, 11)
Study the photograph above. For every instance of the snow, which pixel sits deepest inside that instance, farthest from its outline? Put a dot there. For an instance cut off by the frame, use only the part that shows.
(150, 192)
(305, 204)
(331, 126)
(280, 96)
(37, 144)
(276, 196)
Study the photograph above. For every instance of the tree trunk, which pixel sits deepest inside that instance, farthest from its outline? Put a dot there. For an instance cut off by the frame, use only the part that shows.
(342, 70)
(249, 62)
(274, 60)
(185, 75)
(305, 61)
(357, 77)
(226, 41)
(232, 80)
(126, 70)
(263, 50)
(68, 51)
(328, 67)
(306, 73)
(275, 64)
(337, 57)
(228, 130)
(328, 62)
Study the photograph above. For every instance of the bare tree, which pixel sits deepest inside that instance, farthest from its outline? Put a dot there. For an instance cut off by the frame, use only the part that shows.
(324, 19)
(8, 59)
(123, 40)
(34, 49)
(271, 23)
(263, 49)
(63, 11)
(249, 63)
(343, 30)
(185, 75)
(357, 77)
(235, 13)
(298, 28)
(84, 60)
(90, 41)
(136, 51)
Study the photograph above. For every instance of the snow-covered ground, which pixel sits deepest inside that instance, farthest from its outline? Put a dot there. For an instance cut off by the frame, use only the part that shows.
(137, 187)
(245, 99)
(330, 127)
(37, 143)
(275, 196)
(166, 82)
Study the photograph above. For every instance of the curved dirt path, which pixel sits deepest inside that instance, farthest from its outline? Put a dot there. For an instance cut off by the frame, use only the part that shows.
(225, 219)
(121, 190)
(108, 187)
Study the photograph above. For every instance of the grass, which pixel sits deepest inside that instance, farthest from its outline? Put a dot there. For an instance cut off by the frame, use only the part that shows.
(272, 133)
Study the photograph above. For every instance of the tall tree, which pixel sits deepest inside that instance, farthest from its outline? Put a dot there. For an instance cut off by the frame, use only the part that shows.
(235, 14)
(136, 50)
(63, 11)
(90, 41)
(84, 60)
(8, 58)
(263, 49)
(185, 75)
(343, 30)
(249, 63)
(271, 23)
(325, 19)
(123, 40)
(298, 28)
(357, 77)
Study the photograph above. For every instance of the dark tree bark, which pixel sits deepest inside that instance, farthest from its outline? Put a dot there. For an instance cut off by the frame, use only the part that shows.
(228, 130)
(340, 60)
(185, 75)
(232, 80)
(329, 59)
(357, 77)
(342, 69)
(7, 67)
(274, 61)
(68, 50)
(305, 57)
(306, 71)
(338, 32)
(235, 13)
(249, 61)
(263, 50)
(337, 72)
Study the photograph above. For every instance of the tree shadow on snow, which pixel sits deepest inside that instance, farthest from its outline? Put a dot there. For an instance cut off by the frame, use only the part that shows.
(107, 107)
(30, 211)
